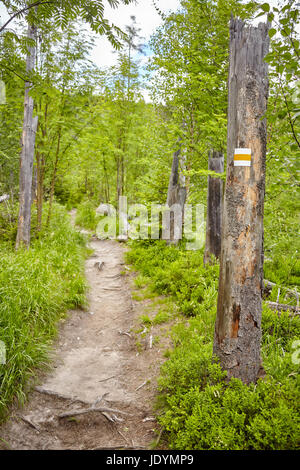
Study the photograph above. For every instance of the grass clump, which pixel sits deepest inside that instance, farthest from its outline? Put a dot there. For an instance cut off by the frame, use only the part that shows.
(86, 216)
(36, 288)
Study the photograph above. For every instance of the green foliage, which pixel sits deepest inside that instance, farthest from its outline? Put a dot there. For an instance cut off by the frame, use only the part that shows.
(8, 221)
(190, 65)
(282, 243)
(199, 409)
(36, 288)
(61, 13)
(97, 139)
(86, 216)
(179, 273)
(234, 416)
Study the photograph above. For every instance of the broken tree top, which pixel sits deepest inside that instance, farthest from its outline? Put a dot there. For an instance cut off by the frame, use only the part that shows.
(242, 157)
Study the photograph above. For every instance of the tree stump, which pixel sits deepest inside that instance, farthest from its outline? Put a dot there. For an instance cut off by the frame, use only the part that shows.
(214, 207)
(238, 324)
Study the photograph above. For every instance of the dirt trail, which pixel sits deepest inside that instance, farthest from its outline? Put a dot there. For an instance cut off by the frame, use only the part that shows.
(96, 364)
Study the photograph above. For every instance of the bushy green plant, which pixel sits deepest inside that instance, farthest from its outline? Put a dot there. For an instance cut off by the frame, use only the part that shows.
(86, 216)
(36, 288)
(234, 416)
(8, 221)
(179, 273)
(199, 409)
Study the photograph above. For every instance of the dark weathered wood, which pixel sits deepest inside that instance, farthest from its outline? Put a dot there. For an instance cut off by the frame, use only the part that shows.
(238, 324)
(214, 207)
(268, 286)
(27, 152)
(176, 191)
(284, 308)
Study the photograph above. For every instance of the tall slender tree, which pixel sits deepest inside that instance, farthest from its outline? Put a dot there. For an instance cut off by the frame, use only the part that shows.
(28, 141)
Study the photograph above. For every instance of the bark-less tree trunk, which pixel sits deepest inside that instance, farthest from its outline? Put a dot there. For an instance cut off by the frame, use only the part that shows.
(27, 152)
(176, 189)
(214, 207)
(40, 166)
(238, 323)
(53, 179)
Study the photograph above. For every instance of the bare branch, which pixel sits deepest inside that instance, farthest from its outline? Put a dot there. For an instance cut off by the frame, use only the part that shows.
(23, 10)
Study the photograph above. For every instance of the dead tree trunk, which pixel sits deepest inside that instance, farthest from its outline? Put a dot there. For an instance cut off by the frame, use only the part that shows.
(27, 152)
(238, 323)
(53, 179)
(214, 207)
(176, 192)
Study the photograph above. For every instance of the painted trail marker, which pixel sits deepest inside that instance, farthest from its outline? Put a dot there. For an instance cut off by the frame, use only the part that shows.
(242, 157)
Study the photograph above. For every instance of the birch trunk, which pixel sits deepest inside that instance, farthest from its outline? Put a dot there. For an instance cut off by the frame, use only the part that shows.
(27, 152)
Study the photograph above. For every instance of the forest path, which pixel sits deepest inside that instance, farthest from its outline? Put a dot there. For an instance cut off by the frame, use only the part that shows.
(96, 363)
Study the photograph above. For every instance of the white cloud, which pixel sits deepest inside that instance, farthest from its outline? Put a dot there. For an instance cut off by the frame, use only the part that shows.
(147, 19)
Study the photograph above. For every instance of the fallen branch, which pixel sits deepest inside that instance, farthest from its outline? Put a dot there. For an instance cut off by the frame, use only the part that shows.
(115, 289)
(268, 286)
(108, 417)
(108, 378)
(120, 447)
(28, 421)
(122, 435)
(99, 399)
(124, 333)
(142, 385)
(92, 409)
(283, 307)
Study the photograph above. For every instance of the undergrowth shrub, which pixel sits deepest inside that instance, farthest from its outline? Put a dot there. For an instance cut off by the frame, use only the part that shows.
(197, 406)
(200, 410)
(86, 216)
(233, 416)
(8, 220)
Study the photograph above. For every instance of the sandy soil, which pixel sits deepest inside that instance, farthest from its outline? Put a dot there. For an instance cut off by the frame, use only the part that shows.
(98, 363)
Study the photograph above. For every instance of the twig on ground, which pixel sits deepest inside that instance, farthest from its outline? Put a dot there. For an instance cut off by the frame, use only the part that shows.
(88, 410)
(159, 436)
(108, 378)
(140, 386)
(150, 418)
(124, 333)
(122, 435)
(99, 399)
(31, 423)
